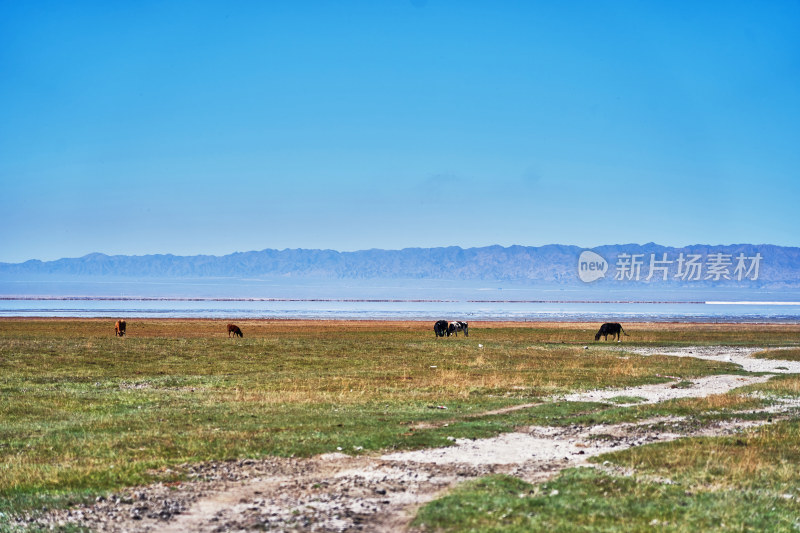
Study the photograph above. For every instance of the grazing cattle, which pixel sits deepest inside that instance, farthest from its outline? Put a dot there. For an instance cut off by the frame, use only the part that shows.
(610, 328)
(440, 328)
(119, 328)
(457, 326)
(234, 330)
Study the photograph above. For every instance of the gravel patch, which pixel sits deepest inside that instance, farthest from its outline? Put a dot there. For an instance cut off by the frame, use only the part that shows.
(697, 388)
(741, 356)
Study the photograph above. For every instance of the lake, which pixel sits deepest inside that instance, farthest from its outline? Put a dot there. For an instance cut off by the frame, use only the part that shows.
(388, 300)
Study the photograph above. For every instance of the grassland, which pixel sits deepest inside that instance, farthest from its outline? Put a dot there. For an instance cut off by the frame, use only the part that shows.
(786, 354)
(83, 412)
(749, 482)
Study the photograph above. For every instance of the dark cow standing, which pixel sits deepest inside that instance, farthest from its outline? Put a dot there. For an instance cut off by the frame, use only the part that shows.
(610, 328)
(233, 330)
(457, 326)
(440, 328)
(119, 328)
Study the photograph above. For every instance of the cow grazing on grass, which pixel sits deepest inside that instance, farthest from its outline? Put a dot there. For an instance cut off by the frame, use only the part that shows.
(233, 330)
(119, 328)
(610, 328)
(440, 328)
(457, 326)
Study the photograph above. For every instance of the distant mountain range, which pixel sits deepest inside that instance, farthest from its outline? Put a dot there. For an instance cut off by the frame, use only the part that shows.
(761, 265)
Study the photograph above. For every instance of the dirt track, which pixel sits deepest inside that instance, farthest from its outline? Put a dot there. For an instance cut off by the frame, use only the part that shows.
(337, 492)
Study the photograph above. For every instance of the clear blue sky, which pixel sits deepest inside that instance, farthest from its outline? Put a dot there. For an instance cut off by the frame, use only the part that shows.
(213, 127)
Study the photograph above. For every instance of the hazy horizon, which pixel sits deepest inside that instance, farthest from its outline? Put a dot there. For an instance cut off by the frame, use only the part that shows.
(553, 244)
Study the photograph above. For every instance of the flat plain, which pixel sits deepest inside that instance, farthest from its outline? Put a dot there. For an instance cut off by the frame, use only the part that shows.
(85, 414)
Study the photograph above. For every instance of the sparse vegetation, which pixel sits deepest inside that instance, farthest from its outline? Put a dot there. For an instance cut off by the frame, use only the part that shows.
(748, 482)
(784, 354)
(585, 499)
(626, 399)
(84, 412)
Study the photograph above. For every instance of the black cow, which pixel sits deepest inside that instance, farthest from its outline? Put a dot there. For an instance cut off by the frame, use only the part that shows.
(457, 326)
(610, 328)
(440, 328)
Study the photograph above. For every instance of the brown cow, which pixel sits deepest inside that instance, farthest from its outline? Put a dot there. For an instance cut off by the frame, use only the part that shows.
(234, 329)
(119, 328)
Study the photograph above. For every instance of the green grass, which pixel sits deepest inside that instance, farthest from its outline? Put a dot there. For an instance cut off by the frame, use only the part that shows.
(748, 482)
(584, 500)
(786, 354)
(84, 412)
(626, 399)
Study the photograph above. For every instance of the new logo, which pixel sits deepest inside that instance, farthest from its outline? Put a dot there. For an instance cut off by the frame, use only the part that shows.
(591, 266)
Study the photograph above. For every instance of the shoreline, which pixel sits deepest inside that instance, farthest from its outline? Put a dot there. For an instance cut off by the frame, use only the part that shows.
(380, 322)
(79, 298)
(413, 307)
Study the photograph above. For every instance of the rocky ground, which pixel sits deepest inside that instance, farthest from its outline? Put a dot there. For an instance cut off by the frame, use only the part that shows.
(337, 492)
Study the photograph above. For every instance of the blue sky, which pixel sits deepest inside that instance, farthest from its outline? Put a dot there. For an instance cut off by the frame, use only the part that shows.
(213, 127)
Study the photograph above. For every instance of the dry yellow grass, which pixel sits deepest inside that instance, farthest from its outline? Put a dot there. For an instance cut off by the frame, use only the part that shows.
(551, 332)
(98, 410)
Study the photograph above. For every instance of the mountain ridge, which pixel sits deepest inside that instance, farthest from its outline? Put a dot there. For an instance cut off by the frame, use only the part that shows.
(552, 263)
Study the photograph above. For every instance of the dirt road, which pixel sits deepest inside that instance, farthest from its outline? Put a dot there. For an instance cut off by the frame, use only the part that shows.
(337, 492)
